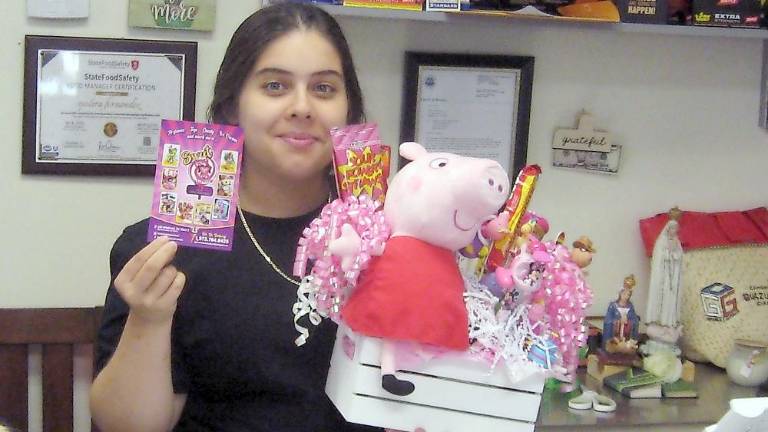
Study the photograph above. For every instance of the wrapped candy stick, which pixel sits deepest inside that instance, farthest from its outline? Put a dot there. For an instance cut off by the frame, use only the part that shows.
(515, 206)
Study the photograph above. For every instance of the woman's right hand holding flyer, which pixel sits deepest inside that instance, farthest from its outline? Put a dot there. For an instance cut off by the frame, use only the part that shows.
(150, 284)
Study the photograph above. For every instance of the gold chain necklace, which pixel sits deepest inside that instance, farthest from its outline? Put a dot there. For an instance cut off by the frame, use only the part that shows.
(261, 250)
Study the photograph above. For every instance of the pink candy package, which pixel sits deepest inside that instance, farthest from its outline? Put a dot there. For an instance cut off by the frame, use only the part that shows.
(361, 163)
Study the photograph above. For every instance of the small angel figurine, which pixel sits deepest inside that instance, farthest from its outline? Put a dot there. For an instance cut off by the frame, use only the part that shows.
(620, 328)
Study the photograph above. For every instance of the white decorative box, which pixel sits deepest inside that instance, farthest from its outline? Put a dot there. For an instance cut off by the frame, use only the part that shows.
(453, 393)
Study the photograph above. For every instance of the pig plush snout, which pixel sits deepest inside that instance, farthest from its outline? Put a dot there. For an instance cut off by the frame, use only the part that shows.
(480, 195)
(488, 191)
(497, 182)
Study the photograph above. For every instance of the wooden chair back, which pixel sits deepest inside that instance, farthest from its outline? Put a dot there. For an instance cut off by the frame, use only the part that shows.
(58, 330)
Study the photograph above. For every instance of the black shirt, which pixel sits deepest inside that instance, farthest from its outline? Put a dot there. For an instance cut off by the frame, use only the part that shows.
(232, 341)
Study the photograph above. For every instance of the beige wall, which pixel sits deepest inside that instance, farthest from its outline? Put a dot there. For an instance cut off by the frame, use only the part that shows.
(59, 230)
(685, 109)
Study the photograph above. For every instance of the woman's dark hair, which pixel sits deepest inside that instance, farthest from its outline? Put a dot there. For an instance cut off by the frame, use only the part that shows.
(254, 35)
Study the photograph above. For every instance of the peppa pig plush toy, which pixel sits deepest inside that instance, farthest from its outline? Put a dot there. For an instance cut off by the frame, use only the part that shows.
(413, 291)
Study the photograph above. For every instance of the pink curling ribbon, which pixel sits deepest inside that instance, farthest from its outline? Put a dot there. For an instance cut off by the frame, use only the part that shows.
(564, 296)
(327, 286)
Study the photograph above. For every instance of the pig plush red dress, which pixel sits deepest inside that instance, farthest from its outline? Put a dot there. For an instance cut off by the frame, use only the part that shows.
(412, 292)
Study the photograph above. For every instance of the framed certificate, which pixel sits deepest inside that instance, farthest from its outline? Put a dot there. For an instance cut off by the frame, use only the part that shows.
(94, 106)
(473, 105)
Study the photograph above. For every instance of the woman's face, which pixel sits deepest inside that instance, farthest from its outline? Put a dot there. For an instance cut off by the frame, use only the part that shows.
(292, 97)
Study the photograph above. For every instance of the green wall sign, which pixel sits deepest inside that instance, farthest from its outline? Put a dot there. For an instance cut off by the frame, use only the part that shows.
(173, 14)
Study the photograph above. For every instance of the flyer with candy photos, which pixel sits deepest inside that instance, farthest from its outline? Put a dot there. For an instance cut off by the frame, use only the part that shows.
(196, 183)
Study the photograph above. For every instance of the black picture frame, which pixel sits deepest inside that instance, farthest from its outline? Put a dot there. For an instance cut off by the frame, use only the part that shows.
(38, 45)
(524, 64)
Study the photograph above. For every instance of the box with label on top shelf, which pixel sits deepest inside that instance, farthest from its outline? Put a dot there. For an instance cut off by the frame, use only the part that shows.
(727, 13)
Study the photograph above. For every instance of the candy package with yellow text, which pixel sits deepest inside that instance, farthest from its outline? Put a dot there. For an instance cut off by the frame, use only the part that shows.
(360, 161)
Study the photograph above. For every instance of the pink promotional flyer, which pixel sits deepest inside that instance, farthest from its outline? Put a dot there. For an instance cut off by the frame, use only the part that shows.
(196, 183)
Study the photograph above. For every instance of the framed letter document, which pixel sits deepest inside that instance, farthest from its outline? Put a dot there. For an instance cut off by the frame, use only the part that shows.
(473, 105)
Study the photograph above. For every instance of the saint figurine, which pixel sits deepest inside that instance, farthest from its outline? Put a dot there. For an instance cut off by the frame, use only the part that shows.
(621, 325)
(664, 290)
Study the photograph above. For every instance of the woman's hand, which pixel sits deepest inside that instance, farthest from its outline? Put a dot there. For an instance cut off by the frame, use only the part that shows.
(150, 284)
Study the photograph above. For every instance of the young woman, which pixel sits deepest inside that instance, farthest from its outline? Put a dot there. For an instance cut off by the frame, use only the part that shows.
(197, 340)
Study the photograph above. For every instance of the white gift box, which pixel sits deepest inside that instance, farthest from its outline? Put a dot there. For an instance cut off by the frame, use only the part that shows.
(453, 392)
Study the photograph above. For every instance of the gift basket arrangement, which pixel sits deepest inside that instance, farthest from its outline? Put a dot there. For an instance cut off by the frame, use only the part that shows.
(453, 307)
